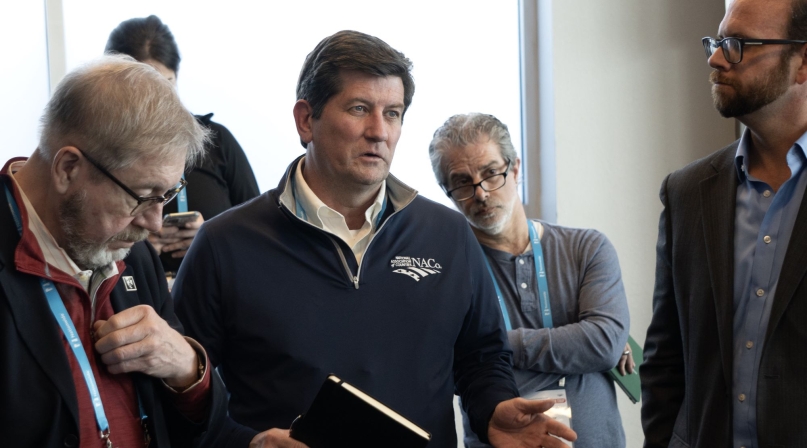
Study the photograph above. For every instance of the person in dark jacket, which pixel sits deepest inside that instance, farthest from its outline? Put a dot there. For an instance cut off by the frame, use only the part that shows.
(93, 354)
(222, 179)
(724, 355)
(343, 269)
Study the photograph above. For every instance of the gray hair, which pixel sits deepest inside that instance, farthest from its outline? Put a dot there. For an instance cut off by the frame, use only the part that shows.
(462, 130)
(120, 111)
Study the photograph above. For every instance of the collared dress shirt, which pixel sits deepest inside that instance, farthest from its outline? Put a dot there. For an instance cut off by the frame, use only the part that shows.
(320, 215)
(763, 224)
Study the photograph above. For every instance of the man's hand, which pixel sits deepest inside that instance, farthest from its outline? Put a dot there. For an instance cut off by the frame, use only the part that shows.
(519, 422)
(626, 363)
(275, 438)
(139, 340)
(176, 240)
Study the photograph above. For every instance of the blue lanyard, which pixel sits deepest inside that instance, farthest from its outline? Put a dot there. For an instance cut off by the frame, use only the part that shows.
(543, 287)
(540, 270)
(182, 199)
(70, 334)
(69, 330)
(500, 296)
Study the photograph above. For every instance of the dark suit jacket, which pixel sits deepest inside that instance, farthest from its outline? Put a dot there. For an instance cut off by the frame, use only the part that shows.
(687, 371)
(38, 405)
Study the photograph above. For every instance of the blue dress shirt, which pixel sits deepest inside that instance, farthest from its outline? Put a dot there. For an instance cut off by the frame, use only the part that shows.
(763, 224)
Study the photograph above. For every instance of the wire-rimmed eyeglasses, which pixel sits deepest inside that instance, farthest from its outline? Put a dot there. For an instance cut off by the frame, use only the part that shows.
(490, 183)
(733, 46)
(143, 203)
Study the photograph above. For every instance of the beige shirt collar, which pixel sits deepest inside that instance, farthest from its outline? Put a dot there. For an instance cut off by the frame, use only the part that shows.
(320, 215)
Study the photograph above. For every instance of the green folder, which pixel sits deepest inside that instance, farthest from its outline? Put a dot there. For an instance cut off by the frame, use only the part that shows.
(630, 382)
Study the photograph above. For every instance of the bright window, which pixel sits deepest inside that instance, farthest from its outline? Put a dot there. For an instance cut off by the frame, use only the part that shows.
(24, 76)
(241, 59)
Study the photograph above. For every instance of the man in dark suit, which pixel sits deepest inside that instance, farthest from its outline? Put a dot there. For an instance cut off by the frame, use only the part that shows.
(724, 357)
(90, 346)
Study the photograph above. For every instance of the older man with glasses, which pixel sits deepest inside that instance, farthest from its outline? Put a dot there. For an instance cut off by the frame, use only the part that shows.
(724, 363)
(560, 289)
(91, 348)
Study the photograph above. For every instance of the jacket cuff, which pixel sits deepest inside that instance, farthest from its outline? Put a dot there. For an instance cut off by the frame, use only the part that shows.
(193, 401)
(237, 436)
(480, 416)
(203, 363)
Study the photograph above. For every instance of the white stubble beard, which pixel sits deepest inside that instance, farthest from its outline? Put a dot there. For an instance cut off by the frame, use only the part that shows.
(85, 253)
(496, 227)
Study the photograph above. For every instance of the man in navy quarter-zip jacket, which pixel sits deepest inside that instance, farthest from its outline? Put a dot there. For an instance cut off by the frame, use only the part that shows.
(344, 269)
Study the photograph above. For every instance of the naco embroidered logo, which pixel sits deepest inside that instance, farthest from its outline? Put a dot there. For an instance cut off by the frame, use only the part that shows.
(414, 267)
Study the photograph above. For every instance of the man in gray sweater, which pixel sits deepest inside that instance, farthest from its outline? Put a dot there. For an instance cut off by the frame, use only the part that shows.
(560, 288)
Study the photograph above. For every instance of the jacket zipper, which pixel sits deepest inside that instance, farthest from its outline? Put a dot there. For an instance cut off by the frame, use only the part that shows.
(369, 243)
(354, 279)
(351, 278)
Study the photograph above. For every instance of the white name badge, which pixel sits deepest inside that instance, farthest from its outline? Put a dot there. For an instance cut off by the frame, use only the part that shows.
(561, 411)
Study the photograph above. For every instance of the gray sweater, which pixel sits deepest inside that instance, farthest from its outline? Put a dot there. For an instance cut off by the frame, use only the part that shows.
(590, 327)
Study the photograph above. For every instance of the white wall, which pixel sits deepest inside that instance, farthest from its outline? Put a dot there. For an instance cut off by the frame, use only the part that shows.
(23, 76)
(632, 103)
(241, 60)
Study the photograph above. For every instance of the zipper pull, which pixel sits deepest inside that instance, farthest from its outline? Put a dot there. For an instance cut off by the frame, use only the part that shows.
(356, 282)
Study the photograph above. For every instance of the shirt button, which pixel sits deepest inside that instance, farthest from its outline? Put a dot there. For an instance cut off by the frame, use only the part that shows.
(741, 397)
(760, 292)
(523, 286)
(767, 239)
(520, 261)
(749, 344)
(767, 193)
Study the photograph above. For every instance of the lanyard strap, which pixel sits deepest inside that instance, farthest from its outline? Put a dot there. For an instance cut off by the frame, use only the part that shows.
(182, 199)
(69, 331)
(381, 212)
(15, 211)
(543, 286)
(499, 295)
(540, 271)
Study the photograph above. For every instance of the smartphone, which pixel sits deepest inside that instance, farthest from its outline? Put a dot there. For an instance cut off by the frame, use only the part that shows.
(179, 219)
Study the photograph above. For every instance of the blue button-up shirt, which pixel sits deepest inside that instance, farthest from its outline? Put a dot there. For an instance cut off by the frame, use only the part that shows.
(763, 223)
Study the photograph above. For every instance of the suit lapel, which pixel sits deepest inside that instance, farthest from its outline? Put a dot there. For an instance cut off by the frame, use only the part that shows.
(793, 270)
(718, 198)
(33, 318)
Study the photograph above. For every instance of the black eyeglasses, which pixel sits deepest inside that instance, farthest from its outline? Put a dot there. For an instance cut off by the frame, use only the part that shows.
(490, 183)
(143, 203)
(733, 46)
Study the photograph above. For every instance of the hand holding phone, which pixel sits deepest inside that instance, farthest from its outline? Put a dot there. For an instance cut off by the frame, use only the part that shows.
(177, 233)
(179, 219)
